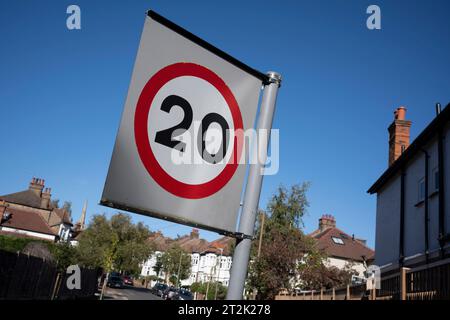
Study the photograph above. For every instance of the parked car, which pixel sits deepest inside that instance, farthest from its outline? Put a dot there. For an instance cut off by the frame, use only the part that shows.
(184, 294)
(115, 282)
(158, 289)
(171, 293)
(128, 280)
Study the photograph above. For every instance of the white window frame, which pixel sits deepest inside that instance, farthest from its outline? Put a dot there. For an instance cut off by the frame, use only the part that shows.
(337, 240)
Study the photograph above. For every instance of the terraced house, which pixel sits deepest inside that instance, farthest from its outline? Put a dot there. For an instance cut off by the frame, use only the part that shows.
(210, 261)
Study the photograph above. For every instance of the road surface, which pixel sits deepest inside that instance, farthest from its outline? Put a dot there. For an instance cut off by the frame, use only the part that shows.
(129, 293)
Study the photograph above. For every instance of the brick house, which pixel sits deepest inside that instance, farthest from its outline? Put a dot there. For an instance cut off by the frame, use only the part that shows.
(342, 250)
(30, 213)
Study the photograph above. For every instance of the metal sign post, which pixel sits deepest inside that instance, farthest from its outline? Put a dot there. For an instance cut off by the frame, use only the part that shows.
(252, 192)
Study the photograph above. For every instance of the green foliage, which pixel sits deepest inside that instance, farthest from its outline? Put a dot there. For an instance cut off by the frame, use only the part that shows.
(211, 288)
(158, 265)
(315, 275)
(196, 287)
(115, 244)
(289, 258)
(221, 291)
(64, 254)
(14, 244)
(176, 261)
(283, 243)
(287, 207)
(173, 279)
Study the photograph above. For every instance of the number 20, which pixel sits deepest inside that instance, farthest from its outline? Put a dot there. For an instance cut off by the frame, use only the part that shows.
(165, 137)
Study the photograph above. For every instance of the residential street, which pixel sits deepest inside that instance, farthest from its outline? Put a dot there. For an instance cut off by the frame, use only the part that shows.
(130, 293)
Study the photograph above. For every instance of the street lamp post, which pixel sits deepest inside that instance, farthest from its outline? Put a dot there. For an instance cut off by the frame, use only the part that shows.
(208, 278)
(178, 273)
(218, 274)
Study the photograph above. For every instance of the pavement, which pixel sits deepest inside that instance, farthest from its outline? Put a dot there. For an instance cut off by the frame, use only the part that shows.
(129, 293)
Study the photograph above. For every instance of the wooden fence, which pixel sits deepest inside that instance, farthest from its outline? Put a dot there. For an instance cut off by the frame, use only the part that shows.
(24, 277)
(406, 284)
(356, 292)
(428, 284)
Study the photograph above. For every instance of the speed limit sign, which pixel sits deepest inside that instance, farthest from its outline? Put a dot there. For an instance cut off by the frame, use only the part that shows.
(179, 150)
(185, 85)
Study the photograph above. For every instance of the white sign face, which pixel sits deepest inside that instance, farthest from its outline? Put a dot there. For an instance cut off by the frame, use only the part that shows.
(178, 153)
(193, 93)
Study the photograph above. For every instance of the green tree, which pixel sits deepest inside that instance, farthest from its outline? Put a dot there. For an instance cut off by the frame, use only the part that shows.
(115, 244)
(133, 247)
(175, 261)
(313, 274)
(196, 287)
(158, 265)
(64, 254)
(202, 288)
(283, 245)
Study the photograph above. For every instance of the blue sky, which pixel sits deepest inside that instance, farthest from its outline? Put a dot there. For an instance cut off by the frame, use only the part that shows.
(62, 92)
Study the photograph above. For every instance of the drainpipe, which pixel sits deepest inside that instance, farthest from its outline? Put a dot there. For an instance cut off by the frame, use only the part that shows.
(426, 203)
(402, 218)
(441, 193)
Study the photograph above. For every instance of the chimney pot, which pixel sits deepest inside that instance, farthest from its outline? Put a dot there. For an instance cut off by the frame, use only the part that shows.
(438, 108)
(36, 186)
(400, 113)
(326, 221)
(194, 234)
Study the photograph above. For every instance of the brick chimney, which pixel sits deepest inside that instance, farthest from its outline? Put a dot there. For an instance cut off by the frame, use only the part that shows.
(45, 198)
(327, 221)
(36, 185)
(194, 234)
(398, 134)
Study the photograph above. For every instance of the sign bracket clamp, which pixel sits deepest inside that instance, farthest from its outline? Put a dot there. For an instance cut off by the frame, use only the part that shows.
(242, 236)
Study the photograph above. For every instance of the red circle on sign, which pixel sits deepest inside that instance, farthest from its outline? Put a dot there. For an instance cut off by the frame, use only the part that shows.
(166, 181)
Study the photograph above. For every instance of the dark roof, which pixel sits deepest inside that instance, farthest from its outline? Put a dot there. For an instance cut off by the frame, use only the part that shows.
(160, 242)
(26, 198)
(423, 138)
(191, 244)
(27, 220)
(351, 249)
